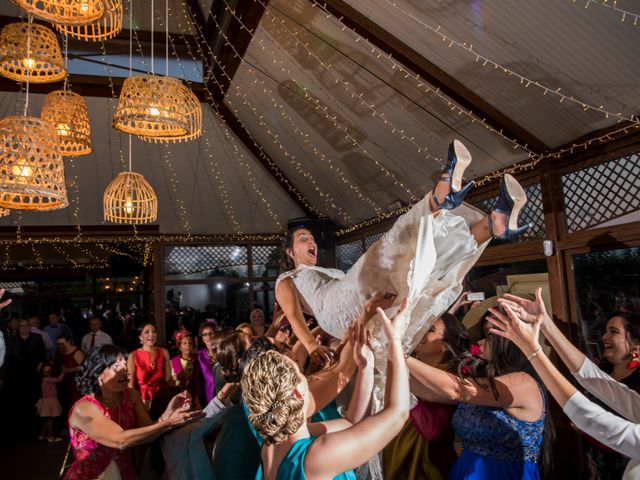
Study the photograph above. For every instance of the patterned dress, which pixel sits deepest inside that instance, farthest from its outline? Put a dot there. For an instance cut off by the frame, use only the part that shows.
(93, 459)
(496, 445)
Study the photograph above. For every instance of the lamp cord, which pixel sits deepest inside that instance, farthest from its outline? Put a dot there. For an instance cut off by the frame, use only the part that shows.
(26, 101)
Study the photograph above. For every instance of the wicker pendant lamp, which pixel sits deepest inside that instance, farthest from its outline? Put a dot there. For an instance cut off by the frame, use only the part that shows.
(30, 50)
(31, 167)
(104, 28)
(130, 199)
(158, 108)
(65, 12)
(68, 112)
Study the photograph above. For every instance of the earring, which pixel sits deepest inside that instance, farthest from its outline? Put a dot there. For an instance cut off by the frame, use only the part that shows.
(634, 362)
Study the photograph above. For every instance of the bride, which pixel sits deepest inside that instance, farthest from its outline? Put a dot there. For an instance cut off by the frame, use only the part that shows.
(423, 257)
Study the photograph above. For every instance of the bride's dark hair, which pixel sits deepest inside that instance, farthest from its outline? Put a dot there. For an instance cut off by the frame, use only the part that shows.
(286, 262)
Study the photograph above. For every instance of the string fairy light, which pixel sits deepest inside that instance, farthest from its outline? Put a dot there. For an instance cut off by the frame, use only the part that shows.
(327, 198)
(239, 156)
(613, 5)
(486, 61)
(358, 96)
(272, 165)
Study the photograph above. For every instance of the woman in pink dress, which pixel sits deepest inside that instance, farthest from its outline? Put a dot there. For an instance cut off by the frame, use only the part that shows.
(148, 366)
(111, 418)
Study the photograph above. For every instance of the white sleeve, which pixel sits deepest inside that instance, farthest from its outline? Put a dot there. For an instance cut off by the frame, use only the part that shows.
(614, 432)
(608, 390)
(3, 349)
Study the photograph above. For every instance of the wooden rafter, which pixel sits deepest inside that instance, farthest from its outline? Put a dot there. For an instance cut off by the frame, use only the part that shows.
(430, 72)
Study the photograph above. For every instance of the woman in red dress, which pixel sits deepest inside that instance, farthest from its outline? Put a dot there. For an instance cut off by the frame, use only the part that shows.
(149, 368)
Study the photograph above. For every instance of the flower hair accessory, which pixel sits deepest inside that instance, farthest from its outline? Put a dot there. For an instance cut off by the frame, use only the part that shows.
(475, 350)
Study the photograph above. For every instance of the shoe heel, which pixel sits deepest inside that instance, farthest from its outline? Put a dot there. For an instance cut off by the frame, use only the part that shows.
(464, 159)
(519, 197)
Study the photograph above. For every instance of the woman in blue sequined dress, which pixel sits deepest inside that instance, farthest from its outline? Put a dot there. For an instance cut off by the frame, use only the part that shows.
(501, 416)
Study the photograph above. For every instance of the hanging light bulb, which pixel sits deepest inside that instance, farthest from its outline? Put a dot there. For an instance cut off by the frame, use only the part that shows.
(130, 199)
(68, 112)
(65, 12)
(31, 167)
(30, 50)
(103, 28)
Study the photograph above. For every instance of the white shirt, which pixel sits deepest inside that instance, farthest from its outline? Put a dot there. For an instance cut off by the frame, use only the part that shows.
(101, 338)
(619, 433)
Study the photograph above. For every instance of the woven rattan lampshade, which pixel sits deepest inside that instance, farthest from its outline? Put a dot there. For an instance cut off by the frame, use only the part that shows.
(156, 107)
(31, 167)
(67, 111)
(193, 116)
(41, 63)
(64, 12)
(106, 27)
(130, 199)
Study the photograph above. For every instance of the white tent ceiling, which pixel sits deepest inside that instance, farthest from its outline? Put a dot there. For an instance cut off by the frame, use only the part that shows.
(351, 129)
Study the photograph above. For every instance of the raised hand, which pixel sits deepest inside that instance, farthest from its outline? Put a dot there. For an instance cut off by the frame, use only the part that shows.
(527, 310)
(394, 328)
(460, 302)
(524, 334)
(322, 355)
(6, 302)
(383, 300)
(179, 403)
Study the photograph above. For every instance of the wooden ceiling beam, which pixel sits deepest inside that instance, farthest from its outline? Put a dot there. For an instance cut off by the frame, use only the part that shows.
(88, 86)
(230, 45)
(430, 72)
(144, 36)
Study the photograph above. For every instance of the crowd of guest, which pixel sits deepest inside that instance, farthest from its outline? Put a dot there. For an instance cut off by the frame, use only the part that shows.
(250, 402)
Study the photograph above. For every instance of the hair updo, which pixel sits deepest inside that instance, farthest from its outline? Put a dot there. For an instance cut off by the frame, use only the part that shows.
(267, 390)
(98, 359)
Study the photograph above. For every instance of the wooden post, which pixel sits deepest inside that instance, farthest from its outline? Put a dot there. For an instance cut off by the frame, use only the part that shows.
(158, 292)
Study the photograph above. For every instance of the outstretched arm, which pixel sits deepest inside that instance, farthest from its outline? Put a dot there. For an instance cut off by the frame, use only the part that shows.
(335, 453)
(287, 297)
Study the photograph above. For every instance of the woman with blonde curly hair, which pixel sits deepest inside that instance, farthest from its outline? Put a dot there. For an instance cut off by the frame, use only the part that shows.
(277, 397)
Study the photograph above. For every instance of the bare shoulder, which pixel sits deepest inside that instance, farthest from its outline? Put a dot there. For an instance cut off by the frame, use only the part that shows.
(83, 411)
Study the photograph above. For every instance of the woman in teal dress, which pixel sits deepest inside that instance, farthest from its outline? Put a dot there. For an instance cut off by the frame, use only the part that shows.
(277, 397)
(501, 416)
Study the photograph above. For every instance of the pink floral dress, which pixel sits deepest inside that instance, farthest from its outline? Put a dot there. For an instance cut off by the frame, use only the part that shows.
(92, 458)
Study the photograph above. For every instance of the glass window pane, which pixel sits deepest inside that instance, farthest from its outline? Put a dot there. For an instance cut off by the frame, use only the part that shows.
(606, 282)
(195, 262)
(190, 305)
(266, 260)
(264, 297)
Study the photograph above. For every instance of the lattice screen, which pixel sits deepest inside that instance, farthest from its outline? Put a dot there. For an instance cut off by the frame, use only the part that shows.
(266, 259)
(532, 212)
(371, 239)
(347, 254)
(597, 194)
(192, 259)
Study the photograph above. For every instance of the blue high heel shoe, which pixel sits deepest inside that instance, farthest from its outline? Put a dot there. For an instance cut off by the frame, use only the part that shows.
(458, 159)
(510, 202)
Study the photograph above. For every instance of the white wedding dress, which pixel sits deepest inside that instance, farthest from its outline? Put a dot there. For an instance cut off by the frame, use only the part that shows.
(422, 257)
